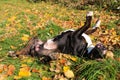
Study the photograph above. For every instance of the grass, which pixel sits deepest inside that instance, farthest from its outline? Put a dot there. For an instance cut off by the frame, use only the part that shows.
(47, 20)
(92, 70)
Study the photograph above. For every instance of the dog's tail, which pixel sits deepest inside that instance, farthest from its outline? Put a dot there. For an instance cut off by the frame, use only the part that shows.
(86, 25)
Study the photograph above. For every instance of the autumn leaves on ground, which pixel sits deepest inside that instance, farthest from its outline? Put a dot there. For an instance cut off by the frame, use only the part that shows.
(21, 20)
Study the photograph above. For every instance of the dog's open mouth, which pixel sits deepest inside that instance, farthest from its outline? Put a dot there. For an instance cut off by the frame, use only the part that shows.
(38, 47)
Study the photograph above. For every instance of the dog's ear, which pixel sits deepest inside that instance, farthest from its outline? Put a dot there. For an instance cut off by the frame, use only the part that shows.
(50, 44)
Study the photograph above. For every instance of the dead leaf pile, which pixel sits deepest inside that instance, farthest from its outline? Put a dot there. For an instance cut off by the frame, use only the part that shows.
(110, 38)
(6, 70)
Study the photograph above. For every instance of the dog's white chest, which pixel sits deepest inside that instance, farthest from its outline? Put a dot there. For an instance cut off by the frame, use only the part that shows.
(90, 46)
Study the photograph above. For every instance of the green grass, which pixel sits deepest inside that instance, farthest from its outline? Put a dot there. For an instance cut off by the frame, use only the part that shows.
(46, 20)
(93, 70)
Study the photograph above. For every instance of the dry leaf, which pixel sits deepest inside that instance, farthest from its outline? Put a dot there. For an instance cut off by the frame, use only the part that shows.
(62, 61)
(11, 69)
(17, 77)
(109, 54)
(12, 47)
(12, 18)
(46, 78)
(3, 76)
(118, 59)
(35, 70)
(69, 74)
(1, 68)
(73, 59)
(63, 79)
(24, 65)
(24, 71)
(66, 68)
(25, 37)
(5, 68)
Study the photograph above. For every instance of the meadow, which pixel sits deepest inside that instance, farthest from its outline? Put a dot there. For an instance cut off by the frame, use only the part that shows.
(20, 20)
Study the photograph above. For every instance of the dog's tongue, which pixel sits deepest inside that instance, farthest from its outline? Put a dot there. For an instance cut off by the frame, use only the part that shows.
(37, 48)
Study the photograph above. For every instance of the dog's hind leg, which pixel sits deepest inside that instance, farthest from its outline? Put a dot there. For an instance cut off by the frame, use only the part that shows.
(84, 28)
(97, 25)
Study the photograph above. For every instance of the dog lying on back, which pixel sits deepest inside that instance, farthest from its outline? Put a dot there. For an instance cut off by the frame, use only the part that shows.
(74, 42)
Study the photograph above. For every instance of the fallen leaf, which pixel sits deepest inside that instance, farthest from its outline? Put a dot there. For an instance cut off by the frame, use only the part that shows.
(73, 59)
(35, 70)
(25, 37)
(12, 47)
(63, 79)
(109, 54)
(62, 61)
(3, 76)
(69, 74)
(5, 68)
(66, 68)
(11, 69)
(24, 65)
(24, 71)
(12, 18)
(1, 60)
(118, 59)
(46, 78)
(17, 77)
(0, 48)
(1, 68)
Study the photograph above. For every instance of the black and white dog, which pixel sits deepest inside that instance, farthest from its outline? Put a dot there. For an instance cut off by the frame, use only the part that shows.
(74, 42)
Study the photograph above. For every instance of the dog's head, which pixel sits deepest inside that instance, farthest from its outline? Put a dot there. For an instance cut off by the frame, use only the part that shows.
(101, 48)
(98, 52)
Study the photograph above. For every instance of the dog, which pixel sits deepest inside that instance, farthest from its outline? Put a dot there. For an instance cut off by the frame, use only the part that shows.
(74, 42)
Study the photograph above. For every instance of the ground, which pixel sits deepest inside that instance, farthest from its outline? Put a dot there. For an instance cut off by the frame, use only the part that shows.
(21, 20)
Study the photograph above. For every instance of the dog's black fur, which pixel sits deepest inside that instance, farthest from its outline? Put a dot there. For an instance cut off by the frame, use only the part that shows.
(71, 42)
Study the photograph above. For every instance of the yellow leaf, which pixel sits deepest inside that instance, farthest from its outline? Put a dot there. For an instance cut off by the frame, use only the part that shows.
(74, 59)
(69, 74)
(24, 72)
(66, 68)
(46, 78)
(24, 65)
(25, 37)
(17, 77)
(12, 18)
(12, 47)
(81, 23)
(51, 31)
(28, 60)
(0, 48)
(109, 54)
